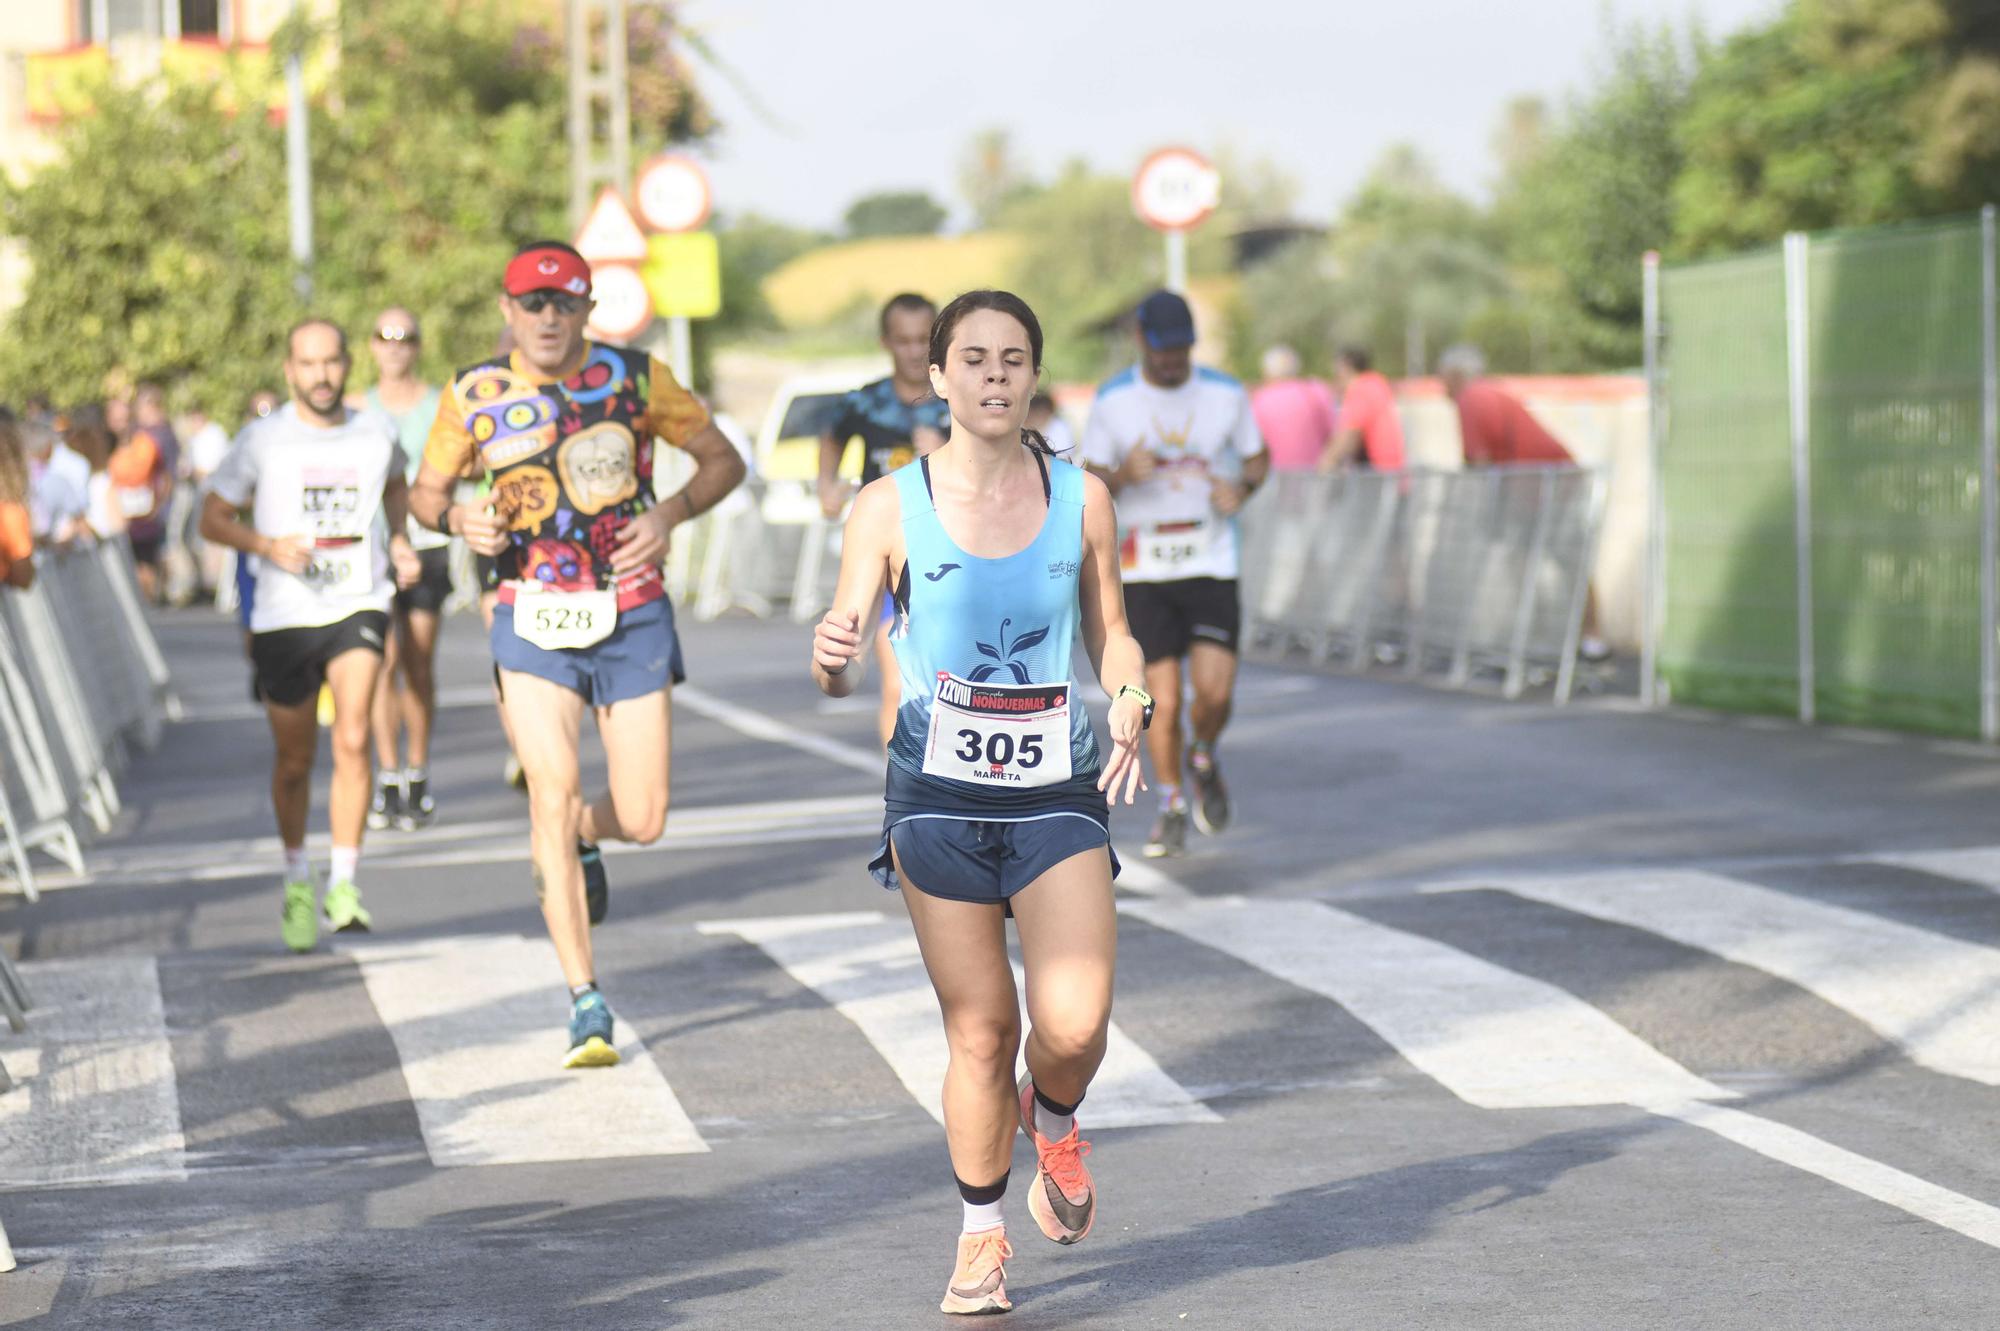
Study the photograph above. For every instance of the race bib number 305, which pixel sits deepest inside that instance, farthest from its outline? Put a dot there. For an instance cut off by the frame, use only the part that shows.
(1014, 735)
(555, 621)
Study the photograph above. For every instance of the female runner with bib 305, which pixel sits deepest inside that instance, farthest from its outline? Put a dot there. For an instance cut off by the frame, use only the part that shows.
(999, 554)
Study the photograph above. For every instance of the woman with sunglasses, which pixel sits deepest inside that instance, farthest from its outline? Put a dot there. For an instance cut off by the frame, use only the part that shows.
(406, 699)
(1001, 557)
(565, 427)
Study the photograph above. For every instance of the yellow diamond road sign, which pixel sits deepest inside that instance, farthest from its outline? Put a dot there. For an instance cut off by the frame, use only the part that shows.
(684, 273)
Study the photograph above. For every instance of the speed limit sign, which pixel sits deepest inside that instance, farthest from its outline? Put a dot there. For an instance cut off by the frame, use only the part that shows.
(1175, 189)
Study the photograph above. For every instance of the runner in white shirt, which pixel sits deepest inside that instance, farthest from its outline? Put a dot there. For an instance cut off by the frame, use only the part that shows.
(1179, 448)
(320, 479)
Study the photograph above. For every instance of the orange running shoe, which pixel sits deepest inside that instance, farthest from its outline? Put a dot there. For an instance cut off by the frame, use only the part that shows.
(978, 1282)
(1063, 1199)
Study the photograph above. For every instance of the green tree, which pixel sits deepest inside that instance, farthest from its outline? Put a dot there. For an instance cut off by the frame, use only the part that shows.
(1841, 113)
(752, 248)
(894, 213)
(1085, 261)
(1582, 200)
(158, 238)
(989, 177)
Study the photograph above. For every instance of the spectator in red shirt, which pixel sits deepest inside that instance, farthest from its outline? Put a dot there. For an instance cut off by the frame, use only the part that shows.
(1370, 433)
(1495, 429)
(1296, 416)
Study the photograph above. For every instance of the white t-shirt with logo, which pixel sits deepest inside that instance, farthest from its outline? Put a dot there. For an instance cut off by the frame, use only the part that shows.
(323, 484)
(1202, 431)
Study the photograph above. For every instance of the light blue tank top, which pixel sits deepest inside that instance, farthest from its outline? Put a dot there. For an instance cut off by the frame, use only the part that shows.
(1007, 622)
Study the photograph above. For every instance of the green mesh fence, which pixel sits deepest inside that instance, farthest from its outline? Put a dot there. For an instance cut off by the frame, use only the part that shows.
(1894, 373)
(1894, 360)
(1729, 633)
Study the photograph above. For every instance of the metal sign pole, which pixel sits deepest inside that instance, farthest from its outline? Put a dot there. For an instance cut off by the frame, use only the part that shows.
(1654, 596)
(1177, 262)
(298, 171)
(1798, 334)
(680, 349)
(1989, 477)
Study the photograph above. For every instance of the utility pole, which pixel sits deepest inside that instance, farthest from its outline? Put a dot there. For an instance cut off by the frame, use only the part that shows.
(600, 104)
(298, 171)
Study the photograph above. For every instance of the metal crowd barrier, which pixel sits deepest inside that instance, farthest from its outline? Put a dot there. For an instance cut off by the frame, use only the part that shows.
(81, 679)
(1474, 573)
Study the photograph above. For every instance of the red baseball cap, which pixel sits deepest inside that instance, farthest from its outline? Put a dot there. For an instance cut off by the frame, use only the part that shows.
(548, 268)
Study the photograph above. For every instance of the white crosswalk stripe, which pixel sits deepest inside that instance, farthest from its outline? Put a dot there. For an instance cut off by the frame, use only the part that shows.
(476, 1026)
(1502, 1040)
(475, 1021)
(869, 969)
(1937, 998)
(95, 1098)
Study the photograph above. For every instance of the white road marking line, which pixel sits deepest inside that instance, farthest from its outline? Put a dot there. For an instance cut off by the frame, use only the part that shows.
(1976, 864)
(1493, 1037)
(868, 967)
(478, 1025)
(1138, 875)
(96, 1100)
(1857, 1173)
(757, 725)
(1502, 1040)
(492, 841)
(1938, 998)
(480, 695)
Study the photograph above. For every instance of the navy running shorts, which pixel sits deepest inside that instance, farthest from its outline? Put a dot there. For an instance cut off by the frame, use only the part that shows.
(960, 859)
(642, 656)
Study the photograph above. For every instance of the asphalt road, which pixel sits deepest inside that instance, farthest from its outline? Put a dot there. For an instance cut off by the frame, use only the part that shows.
(1483, 1015)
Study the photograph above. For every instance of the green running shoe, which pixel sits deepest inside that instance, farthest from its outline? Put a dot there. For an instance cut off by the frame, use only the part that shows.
(590, 1040)
(299, 925)
(344, 910)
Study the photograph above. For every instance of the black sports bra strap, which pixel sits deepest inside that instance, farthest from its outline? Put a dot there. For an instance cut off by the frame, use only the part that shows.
(1041, 464)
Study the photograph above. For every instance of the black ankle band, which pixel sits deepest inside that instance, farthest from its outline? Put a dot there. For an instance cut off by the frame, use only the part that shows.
(985, 1196)
(1059, 1110)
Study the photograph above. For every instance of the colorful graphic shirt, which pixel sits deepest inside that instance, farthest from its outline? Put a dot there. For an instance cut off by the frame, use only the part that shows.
(887, 425)
(570, 457)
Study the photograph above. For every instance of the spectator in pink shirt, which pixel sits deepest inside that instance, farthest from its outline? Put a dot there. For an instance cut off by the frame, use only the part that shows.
(1296, 416)
(1370, 433)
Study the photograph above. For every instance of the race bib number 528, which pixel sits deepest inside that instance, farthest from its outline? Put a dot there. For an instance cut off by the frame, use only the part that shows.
(556, 621)
(1015, 735)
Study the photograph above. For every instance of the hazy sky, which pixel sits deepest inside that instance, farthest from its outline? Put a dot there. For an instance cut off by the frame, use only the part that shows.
(866, 95)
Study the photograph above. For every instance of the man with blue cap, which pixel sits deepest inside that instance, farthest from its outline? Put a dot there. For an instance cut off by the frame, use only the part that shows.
(1178, 445)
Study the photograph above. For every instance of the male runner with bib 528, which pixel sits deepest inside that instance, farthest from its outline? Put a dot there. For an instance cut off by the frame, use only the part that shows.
(326, 490)
(565, 428)
(1001, 557)
(1179, 447)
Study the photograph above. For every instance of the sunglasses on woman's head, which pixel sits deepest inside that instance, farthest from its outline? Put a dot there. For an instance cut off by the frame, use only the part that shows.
(537, 301)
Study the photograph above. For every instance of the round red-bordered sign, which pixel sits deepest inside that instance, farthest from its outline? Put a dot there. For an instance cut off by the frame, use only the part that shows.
(1175, 189)
(624, 306)
(673, 194)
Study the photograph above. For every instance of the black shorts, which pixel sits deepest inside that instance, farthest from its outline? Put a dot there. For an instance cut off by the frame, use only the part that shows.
(433, 586)
(291, 663)
(1169, 617)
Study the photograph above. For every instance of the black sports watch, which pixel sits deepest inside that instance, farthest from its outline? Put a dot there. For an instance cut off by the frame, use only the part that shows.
(1145, 702)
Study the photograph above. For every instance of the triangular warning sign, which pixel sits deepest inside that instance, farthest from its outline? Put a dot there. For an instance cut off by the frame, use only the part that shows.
(610, 234)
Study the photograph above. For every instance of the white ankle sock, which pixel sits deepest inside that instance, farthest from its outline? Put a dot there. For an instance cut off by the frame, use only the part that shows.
(298, 865)
(981, 1216)
(1170, 798)
(341, 864)
(1052, 1126)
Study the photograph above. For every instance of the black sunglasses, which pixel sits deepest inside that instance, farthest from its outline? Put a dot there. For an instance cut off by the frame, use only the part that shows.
(395, 333)
(537, 301)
